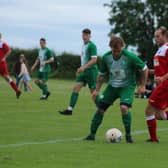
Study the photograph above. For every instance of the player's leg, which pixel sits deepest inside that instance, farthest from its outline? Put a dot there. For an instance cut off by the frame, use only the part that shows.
(106, 100)
(12, 84)
(126, 99)
(80, 82)
(91, 81)
(154, 110)
(73, 99)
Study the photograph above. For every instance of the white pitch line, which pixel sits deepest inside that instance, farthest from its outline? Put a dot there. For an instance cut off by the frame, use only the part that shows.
(138, 132)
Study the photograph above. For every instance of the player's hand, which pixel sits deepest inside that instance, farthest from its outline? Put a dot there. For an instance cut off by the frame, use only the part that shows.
(79, 70)
(141, 89)
(43, 63)
(159, 79)
(95, 94)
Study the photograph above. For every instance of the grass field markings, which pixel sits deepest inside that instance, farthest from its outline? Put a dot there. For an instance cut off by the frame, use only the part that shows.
(137, 132)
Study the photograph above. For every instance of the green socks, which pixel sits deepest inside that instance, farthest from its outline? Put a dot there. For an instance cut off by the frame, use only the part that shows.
(127, 123)
(97, 100)
(73, 99)
(96, 121)
(43, 87)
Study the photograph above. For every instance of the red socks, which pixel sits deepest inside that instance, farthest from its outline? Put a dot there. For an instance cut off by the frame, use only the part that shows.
(151, 122)
(13, 85)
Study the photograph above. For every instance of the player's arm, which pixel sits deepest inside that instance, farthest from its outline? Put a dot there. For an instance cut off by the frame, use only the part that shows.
(93, 60)
(143, 79)
(35, 64)
(7, 52)
(100, 79)
(88, 65)
(160, 79)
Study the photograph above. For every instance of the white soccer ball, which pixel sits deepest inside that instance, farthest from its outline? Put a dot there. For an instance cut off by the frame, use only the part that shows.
(113, 135)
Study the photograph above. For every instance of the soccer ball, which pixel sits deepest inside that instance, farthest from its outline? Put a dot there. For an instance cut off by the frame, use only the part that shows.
(113, 135)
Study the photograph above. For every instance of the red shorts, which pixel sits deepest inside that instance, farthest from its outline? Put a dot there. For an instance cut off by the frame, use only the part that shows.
(3, 68)
(159, 97)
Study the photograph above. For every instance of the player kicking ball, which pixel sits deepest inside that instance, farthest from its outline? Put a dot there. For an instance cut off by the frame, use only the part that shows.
(120, 65)
(87, 73)
(4, 53)
(45, 57)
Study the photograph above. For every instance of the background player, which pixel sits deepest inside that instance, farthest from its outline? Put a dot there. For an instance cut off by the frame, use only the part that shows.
(158, 100)
(4, 53)
(121, 66)
(45, 57)
(87, 73)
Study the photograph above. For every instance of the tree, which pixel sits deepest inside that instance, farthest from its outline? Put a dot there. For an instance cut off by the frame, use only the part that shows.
(136, 21)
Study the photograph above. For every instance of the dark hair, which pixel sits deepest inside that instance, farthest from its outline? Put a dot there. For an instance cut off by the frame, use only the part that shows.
(86, 31)
(163, 30)
(116, 42)
(43, 39)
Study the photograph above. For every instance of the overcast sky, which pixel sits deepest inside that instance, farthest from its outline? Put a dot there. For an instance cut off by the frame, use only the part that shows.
(23, 22)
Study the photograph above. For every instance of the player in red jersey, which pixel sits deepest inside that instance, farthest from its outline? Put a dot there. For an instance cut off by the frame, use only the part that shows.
(158, 101)
(4, 53)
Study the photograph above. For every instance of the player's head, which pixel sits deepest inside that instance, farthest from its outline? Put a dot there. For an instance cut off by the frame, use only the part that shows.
(22, 58)
(86, 35)
(43, 43)
(161, 35)
(116, 44)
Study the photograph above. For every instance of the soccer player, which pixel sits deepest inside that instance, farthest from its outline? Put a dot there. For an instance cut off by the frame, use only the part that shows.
(45, 57)
(4, 53)
(158, 101)
(86, 73)
(120, 65)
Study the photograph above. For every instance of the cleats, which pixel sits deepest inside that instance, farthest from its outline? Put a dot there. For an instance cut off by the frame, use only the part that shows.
(66, 112)
(152, 141)
(89, 138)
(45, 97)
(129, 139)
(18, 94)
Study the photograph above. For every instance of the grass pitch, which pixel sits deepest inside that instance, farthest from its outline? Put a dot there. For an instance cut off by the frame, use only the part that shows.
(34, 135)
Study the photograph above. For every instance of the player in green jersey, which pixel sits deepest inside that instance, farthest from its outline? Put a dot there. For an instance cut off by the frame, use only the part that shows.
(120, 65)
(87, 73)
(45, 57)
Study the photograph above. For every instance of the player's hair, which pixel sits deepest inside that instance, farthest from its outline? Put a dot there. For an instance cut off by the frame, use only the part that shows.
(43, 39)
(163, 30)
(86, 31)
(116, 42)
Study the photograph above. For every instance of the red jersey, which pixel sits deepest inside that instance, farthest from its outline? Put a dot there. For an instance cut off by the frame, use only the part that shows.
(4, 48)
(161, 61)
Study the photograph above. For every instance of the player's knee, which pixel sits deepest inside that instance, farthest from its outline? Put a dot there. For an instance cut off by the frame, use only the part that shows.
(76, 88)
(102, 106)
(159, 116)
(36, 81)
(149, 111)
(124, 109)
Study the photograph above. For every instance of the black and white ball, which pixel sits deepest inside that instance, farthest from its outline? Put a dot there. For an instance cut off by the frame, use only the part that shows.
(113, 135)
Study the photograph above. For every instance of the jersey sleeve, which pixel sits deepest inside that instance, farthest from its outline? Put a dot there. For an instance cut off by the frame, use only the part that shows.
(50, 54)
(103, 70)
(135, 59)
(93, 50)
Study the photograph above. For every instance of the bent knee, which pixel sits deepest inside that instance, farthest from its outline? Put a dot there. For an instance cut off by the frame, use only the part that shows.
(124, 109)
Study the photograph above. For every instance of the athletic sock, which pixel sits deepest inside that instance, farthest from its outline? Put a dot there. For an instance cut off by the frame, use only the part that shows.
(96, 121)
(97, 100)
(151, 122)
(45, 89)
(13, 85)
(41, 86)
(126, 118)
(73, 99)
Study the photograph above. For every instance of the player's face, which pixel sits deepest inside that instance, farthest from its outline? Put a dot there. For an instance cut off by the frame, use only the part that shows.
(116, 52)
(86, 37)
(42, 44)
(159, 38)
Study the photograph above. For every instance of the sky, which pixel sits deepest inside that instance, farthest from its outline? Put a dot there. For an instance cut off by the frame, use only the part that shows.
(24, 22)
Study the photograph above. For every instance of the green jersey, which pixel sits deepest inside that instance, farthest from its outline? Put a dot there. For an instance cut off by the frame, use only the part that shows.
(122, 72)
(44, 55)
(89, 51)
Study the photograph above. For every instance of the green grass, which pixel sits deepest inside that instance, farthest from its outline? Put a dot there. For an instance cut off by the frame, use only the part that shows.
(30, 120)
